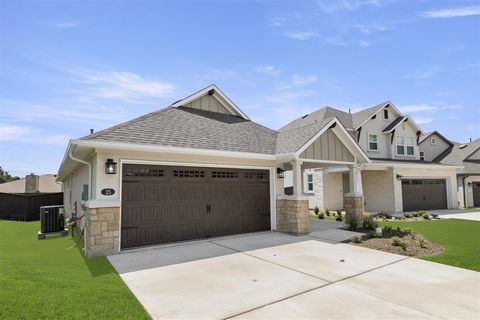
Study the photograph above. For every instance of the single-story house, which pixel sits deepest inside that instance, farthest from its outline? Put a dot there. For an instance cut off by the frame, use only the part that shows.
(196, 169)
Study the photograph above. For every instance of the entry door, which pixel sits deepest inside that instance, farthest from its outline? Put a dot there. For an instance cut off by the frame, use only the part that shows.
(476, 194)
(424, 194)
(165, 204)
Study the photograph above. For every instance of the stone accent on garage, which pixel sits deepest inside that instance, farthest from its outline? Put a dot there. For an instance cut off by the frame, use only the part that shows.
(292, 215)
(102, 231)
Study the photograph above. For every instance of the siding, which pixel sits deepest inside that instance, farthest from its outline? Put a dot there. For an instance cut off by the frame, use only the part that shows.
(208, 103)
(432, 151)
(328, 147)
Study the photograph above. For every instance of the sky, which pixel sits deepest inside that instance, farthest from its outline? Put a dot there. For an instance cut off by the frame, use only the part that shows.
(68, 66)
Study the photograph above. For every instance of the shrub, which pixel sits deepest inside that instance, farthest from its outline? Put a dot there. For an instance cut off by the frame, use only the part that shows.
(415, 214)
(422, 242)
(321, 215)
(407, 231)
(426, 216)
(351, 221)
(339, 217)
(316, 210)
(387, 229)
(380, 215)
(368, 223)
(435, 216)
(327, 212)
(372, 234)
(339, 211)
(404, 245)
(396, 241)
(421, 212)
(356, 239)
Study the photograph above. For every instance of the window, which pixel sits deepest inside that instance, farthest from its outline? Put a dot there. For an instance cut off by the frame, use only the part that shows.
(405, 146)
(422, 156)
(310, 182)
(372, 142)
(385, 114)
(433, 141)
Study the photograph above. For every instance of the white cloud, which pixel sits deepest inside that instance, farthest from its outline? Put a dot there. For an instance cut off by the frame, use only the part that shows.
(335, 41)
(301, 35)
(452, 12)
(66, 24)
(277, 21)
(124, 85)
(297, 81)
(268, 70)
(364, 44)
(413, 108)
(473, 127)
(370, 28)
(422, 120)
(331, 6)
(13, 132)
(422, 74)
(471, 66)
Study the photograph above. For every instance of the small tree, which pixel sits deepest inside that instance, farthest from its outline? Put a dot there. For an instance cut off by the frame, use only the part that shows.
(316, 210)
(6, 177)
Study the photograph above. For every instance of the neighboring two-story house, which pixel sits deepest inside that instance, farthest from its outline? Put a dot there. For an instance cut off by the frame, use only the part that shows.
(465, 155)
(399, 177)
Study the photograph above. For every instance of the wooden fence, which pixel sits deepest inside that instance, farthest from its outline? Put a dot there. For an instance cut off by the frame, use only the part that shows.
(26, 207)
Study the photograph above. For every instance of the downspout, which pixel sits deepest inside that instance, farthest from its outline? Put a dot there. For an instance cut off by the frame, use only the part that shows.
(70, 154)
(464, 192)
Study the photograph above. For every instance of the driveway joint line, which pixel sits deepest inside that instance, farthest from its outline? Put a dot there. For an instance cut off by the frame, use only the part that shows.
(265, 260)
(322, 286)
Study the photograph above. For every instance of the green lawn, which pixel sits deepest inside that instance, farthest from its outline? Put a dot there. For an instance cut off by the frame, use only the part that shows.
(50, 279)
(460, 238)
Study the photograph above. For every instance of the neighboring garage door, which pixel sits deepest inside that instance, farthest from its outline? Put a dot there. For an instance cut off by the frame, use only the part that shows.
(167, 203)
(476, 194)
(425, 194)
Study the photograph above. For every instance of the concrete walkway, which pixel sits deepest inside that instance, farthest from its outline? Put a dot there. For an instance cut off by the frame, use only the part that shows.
(274, 275)
(331, 231)
(469, 214)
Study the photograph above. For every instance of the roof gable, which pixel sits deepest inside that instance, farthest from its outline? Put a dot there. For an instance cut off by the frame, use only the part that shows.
(211, 99)
(425, 136)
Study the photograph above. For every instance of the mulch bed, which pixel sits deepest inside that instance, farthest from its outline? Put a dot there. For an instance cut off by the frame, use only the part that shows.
(413, 246)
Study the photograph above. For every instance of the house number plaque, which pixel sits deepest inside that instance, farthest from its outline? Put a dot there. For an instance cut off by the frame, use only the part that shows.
(108, 192)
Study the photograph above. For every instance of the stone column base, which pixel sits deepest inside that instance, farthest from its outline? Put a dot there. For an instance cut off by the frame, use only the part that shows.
(292, 216)
(354, 206)
(102, 231)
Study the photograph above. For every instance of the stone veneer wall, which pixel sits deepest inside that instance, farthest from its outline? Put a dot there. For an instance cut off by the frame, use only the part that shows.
(318, 189)
(292, 216)
(102, 231)
(354, 206)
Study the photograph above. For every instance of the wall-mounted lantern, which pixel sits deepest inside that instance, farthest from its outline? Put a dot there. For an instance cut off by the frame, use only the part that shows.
(280, 173)
(110, 167)
(399, 177)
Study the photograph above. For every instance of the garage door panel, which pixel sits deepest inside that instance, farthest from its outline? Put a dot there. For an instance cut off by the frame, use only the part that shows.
(165, 204)
(424, 194)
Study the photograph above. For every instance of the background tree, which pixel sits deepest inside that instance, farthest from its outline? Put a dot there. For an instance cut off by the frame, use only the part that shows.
(6, 177)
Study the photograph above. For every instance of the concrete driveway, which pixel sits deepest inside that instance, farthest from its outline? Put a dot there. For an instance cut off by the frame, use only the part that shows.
(468, 214)
(274, 275)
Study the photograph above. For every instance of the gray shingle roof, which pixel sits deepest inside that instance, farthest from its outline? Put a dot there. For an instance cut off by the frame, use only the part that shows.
(192, 128)
(394, 124)
(290, 140)
(359, 117)
(320, 115)
(456, 155)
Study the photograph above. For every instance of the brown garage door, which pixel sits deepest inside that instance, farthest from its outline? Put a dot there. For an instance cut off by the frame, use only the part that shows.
(476, 194)
(425, 194)
(166, 203)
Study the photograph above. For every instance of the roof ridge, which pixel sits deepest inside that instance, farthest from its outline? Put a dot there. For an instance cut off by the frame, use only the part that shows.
(307, 125)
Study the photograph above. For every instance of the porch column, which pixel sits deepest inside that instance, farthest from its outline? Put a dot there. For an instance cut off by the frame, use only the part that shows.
(297, 176)
(292, 211)
(354, 205)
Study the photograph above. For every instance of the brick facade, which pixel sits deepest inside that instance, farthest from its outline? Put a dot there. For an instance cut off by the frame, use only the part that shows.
(292, 216)
(102, 231)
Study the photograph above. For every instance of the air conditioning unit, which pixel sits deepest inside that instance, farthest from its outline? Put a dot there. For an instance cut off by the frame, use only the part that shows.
(52, 220)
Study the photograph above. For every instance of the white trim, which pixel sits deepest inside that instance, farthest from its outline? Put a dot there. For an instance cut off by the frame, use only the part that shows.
(448, 184)
(410, 165)
(167, 149)
(403, 122)
(383, 115)
(433, 141)
(326, 161)
(272, 170)
(229, 103)
(405, 145)
(380, 108)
